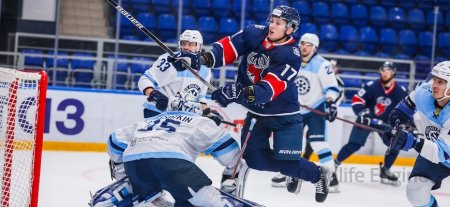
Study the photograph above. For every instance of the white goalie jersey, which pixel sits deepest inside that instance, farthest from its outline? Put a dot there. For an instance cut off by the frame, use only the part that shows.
(436, 128)
(173, 134)
(163, 77)
(316, 82)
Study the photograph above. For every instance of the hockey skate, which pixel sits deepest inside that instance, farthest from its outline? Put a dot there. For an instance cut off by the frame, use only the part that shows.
(387, 177)
(293, 185)
(334, 184)
(322, 186)
(279, 181)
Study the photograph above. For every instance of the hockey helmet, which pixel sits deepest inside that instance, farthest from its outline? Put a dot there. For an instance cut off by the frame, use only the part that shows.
(442, 71)
(390, 65)
(192, 36)
(289, 14)
(310, 38)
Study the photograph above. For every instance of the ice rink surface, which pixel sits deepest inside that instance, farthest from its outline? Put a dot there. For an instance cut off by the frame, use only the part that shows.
(67, 178)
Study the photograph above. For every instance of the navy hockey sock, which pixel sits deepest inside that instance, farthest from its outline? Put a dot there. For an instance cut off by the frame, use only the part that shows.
(390, 158)
(346, 151)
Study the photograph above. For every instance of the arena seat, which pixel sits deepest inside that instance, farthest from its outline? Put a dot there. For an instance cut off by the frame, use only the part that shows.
(161, 6)
(408, 42)
(388, 41)
(348, 36)
(444, 44)
(397, 17)
(378, 16)
(425, 42)
(201, 7)
(208, 27)
(147, 19)
(430, 20)
(228, 26)
(122, 72)
(83, 69)
(137, 69)
(237, 6)
(328, 37)
(260, 9)
(308, 28)
(369, 39)
(166, 26)
(416, 19)
(61, 70)
(33, 61)
(186, 5)
(304, 10)
(339, 13)
(320, 12)
(281, 2)
(221, 8)
(359, 15)
(188, 22)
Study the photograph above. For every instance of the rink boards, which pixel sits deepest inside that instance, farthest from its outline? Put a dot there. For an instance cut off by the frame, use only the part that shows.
(82, 119)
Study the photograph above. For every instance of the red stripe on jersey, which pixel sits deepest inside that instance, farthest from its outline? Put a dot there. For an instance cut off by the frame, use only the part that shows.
(275, 84)
(229, 52)
(358, 100)
(389, 90)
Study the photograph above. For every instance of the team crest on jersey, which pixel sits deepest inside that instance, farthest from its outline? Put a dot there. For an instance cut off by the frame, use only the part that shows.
(192, 90)
(256, 64)
(296, 51)
(382, 104)
(432, 133)
(303, 85)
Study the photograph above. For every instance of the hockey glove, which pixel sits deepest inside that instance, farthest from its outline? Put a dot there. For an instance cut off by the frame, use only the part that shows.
(228, 184)
(364, 117)
(117, 170)
(192, 59)
(214, 115)
(226, 95)
(404, 111)
(331, 110)
(161, 101)
(404, 140)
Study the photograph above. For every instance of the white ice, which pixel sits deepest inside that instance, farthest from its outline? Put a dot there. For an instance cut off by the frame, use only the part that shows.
(68, 177)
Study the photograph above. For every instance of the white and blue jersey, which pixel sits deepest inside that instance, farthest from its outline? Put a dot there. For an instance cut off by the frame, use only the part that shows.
(163, 77)
(316, 82)
(173, 134)
(436, 147)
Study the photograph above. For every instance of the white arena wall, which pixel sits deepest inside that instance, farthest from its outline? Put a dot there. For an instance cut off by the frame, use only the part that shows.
(82, 119)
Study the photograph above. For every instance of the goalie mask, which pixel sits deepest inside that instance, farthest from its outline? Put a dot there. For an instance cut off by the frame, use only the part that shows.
(191, 36)
(184, 102)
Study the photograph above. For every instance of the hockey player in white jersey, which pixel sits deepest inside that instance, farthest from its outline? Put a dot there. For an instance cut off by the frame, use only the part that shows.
(318, 89)
(430, 100)
(167, 78)
(158, 154)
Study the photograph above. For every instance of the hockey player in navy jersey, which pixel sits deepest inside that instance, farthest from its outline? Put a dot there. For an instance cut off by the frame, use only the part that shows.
(430, 100)
(372, 105)
(266, 87)
(318, 89)
(158, 154)
(166, 78)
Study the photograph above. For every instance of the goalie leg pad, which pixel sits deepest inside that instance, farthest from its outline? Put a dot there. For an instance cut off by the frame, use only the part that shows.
(208, 196)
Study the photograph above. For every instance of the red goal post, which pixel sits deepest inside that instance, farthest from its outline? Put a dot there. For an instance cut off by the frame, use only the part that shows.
(22, 112)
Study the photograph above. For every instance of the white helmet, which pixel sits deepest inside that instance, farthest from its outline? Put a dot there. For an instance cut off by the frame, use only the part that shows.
(192, 36)
(442, 71)
(310, 38)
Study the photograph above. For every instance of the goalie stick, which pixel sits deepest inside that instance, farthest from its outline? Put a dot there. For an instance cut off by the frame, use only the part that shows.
(154, 38)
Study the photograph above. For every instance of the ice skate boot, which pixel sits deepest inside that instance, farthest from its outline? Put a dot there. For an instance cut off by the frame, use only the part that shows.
(387, 177)
(293, 185)
(322, 186)
(279, 180)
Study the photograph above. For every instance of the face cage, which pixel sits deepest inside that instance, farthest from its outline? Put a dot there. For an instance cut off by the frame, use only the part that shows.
(199, 46)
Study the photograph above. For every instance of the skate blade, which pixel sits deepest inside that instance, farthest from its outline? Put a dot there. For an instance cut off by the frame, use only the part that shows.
(390, 182)
(279, 185)
(333, 189)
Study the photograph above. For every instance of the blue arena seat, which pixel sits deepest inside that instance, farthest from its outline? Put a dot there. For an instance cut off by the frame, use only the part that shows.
(378, 16)
(320, 12)
(382, 55)
(388, 3)
(248, 22)
(303, 9)
(147, 19)
(130, 37)
(402, 56)
(416, 19)
(349, 38)
(338, 52)
(339, 13)
(425, 42)
(237, 7)
(61, 70)
(408, 42)
(407, 4)
(444, 44)
(369, 39)
(281, 2)
(308, 28)
(201, 7)
(166, 26)
(140, 5)
(121, 72)
(363, 53)
(260, 9)
(388, 41)
(397, 17)
(328, 37)
(208, 27)
(221, 8)
(447, 19)
(138, 68)
(186, 5)
(161, 6)
(83, 69)
(350, 81)
(359, 14)
(228, 26)
(430, 20)
(188, 22)
(33, 61)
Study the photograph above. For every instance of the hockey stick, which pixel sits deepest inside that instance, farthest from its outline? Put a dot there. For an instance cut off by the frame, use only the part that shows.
(252, 124)
(154, 38)
(362, 126)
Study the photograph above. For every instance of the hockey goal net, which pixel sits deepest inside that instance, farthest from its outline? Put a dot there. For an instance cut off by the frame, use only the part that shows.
(22, 111)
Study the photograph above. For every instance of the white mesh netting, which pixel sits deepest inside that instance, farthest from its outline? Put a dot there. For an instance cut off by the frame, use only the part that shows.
(19, 94)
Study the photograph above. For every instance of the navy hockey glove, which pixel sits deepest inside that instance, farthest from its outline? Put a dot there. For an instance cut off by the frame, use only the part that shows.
(161, 101)
(192, 59)
(331, 110)
(226, 95)
(364, 117)
(214, 115)
(404, 140)
(404, 111)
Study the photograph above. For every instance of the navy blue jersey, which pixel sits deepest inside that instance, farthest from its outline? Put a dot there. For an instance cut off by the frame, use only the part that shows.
(379, 100)
(270, 68)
